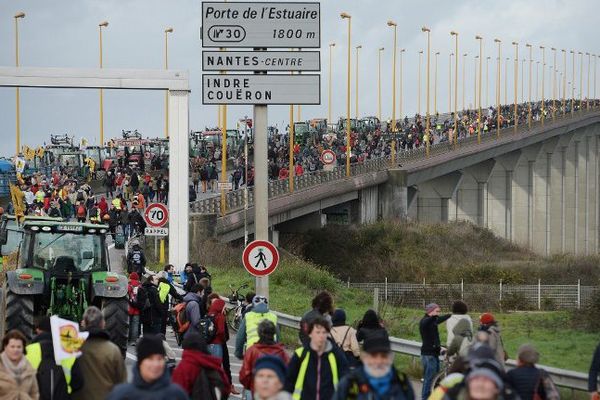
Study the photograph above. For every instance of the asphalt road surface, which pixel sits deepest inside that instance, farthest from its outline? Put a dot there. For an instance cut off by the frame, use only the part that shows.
(116, 256)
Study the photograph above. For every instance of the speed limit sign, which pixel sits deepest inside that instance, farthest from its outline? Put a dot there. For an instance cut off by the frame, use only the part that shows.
(156, 215)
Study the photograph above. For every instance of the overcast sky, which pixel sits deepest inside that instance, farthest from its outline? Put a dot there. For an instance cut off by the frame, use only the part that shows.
(64, 33)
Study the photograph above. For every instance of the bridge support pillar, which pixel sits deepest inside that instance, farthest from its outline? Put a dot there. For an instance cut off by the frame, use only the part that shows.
(393, 196)
(470, 200)
(434, 197)
(500, 194)
(525, 178)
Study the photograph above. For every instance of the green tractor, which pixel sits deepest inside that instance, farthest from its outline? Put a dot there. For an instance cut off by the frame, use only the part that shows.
(63, 268)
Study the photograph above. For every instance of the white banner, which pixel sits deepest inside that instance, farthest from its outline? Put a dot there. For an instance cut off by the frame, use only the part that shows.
(66, 338)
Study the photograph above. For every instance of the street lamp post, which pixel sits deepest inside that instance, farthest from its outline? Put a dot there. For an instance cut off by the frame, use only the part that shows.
(498, 86)
(587, 101)
(537, 80)
(522, 80)
(401, 87)
(379, 82)
(506, 80)
(427, 127)
(17, 16)
(167, 31)
(101, 25)
(573, 85)
(455, 34)
(475, 61)
(356, 99)
(487, 81)
(554, 84)
(543, 76)
(394, 25)
(580, 81)
(419, 83)
(595, 62)
(450, 81)
(331, 46)
(564, 81)
(529, 102)
(349, 18)
(464, 64)
(516, 83)
(479, 94)
(435, 83)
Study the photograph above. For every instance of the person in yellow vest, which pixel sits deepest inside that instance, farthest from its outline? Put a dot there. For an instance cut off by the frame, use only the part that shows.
(247, 333)
(165, 289)
(54, 381)
(316, 368)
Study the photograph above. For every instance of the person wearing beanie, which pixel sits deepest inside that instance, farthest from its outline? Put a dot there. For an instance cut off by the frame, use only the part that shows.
(197, 365)
(489, 325)
(269, 378)
(344, 336)
(135, 306)
(150, 376)
(431, 347)
(480, 383)
(376, 377)
(266, 345)
(528, 380)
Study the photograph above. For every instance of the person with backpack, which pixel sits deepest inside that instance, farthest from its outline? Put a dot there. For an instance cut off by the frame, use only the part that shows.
(166, 290)
(316, 368)
(345, 337)
(376, 377)
(55, 382)
(460, 330)
(489, 325)
(530, 382)
(198, 373)
(266, 345)
(151, 311)
(81, 212)
(219, 339)
(247, 333)
(193, 310)
(136, 304)
(150, 375)
(136, 260)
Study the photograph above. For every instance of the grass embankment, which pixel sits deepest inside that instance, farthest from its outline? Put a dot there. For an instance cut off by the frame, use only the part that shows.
(438, 253)
(295, 282)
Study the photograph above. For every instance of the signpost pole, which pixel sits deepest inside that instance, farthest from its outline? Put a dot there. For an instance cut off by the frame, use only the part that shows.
(261, 188)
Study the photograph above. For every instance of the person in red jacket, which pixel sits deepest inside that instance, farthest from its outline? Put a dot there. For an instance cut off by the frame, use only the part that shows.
(265, 346)
(134, 303)
(198, 365)
(103, 206)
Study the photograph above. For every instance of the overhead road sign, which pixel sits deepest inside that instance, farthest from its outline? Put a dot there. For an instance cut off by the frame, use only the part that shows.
(260, 258)
(261, 24)
(156, 215)
(261, 60)
(261, 89)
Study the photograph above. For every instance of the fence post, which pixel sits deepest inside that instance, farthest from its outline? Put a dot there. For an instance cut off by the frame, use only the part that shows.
(539, 294)
(462, 289)
(578, 294)
(386, 289)
(376, 299)
(501, 290)
(348, 282)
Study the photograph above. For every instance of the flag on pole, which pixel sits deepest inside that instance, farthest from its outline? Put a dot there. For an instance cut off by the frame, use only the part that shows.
(66, 338)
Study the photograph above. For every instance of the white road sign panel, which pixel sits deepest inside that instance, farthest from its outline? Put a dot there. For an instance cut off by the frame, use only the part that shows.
(256, 24)
(225, 186)
(148, 231)
(261, 89)
(261, 60)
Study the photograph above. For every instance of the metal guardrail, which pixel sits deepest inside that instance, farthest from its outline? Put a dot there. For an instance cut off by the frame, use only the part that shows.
(235, 199)
(564, 378)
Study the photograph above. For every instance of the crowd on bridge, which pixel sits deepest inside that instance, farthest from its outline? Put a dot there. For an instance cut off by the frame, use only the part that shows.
(332, 358)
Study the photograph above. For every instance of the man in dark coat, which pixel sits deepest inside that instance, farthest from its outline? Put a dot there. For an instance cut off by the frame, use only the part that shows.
(431, 347)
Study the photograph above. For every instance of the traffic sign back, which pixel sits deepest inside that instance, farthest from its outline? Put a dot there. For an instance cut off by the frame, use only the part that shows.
(156, 215)
(260, 258)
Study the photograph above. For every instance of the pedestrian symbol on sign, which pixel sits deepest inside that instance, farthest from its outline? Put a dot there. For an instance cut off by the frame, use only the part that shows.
(261, 258)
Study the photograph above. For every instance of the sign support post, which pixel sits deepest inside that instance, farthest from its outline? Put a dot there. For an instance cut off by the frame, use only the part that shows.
(261, 188)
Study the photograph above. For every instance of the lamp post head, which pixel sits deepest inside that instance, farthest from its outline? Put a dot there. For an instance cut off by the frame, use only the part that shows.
(437, 54)
(580, 53)
(477, 37)
(359, 47)
(553, 48)
(488, 57)
(20, 15)
(515, 43)
(420, 51)
(332, 44)
(453, 33)
(528, 45)
(497, 40)
(542, 47)
(345, 15)
(572, 51)
(466, 54)
(169, 30)
(587, 54)
(476, 56)
(451, 54)
(391, 23)
(103, 24)
(563, 50)
(381, 48)
(425, 29)
(402, 51)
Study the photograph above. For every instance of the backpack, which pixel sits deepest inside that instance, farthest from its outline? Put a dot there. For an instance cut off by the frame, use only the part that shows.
(208, 328)
(181, 319)
(81, 211)
(207, 385)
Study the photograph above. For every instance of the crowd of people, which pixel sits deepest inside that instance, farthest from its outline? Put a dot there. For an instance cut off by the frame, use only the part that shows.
(333, 359)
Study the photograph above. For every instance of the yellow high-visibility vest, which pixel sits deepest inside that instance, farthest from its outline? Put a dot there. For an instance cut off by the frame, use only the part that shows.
(34, 356)
(304, 366)
(252, 320)
(163, 291)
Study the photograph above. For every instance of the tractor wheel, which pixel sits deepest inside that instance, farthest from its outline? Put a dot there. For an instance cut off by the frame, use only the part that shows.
(19, 313)
(116, 320)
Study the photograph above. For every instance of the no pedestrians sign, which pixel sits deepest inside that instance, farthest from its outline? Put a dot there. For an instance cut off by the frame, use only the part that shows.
(260, 258)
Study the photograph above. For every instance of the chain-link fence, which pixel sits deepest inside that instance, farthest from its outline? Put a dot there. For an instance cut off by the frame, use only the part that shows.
(483, 297)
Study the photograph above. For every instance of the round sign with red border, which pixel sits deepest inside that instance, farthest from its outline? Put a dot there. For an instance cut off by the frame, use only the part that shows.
(328, 157)
(156, 215)
(260, 258)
